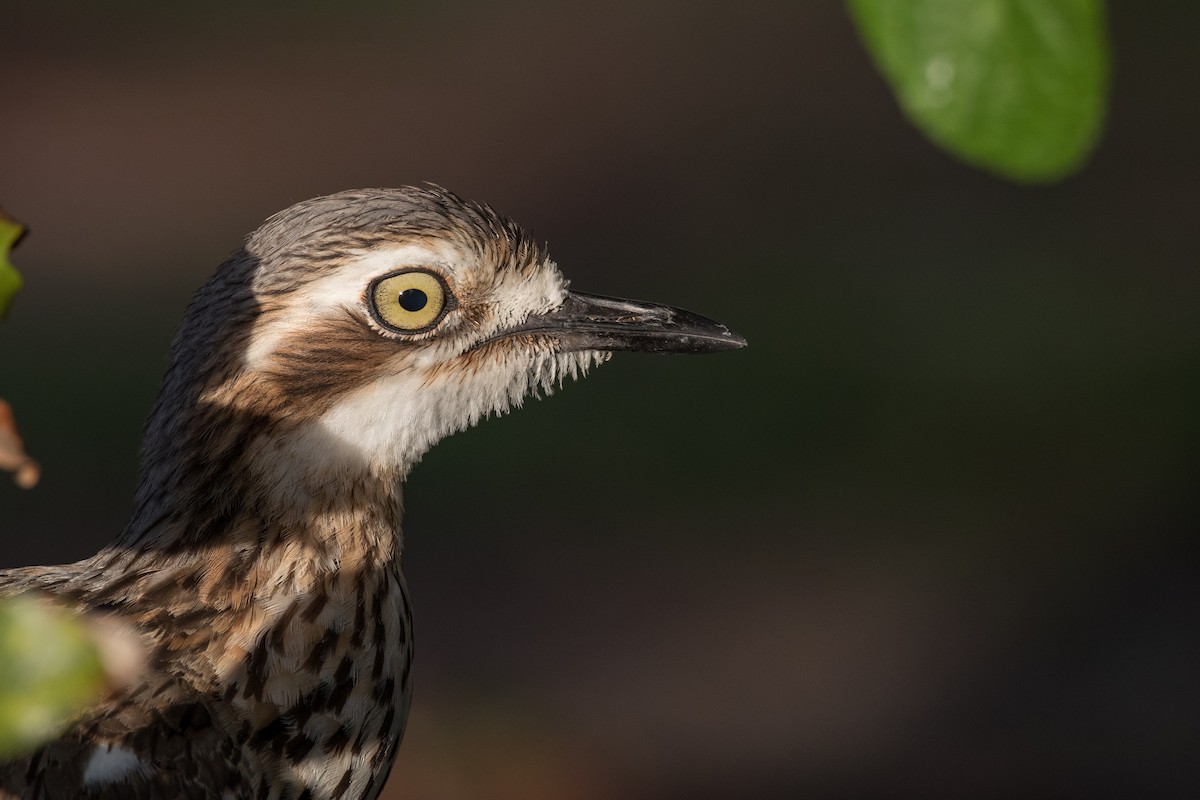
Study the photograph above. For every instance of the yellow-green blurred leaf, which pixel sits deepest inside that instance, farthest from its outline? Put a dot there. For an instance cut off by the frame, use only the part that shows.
(11, 232)
(1015, 86)
(49, 671)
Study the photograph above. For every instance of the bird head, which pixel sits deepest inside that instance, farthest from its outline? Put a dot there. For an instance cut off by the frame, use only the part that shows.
(354, 331)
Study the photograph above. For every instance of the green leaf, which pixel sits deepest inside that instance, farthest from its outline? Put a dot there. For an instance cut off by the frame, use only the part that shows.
(49, 670)
(1015, 86)
(11, 232)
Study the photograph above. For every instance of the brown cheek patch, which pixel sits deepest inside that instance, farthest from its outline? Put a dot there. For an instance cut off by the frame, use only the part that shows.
(311, 368)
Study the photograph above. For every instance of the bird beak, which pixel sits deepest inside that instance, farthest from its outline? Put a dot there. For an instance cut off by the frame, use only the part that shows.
(593, 322)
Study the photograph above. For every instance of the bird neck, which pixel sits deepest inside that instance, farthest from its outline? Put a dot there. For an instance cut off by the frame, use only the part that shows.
(250, 552)
(227, 461)
(242, 532)
(350, 519)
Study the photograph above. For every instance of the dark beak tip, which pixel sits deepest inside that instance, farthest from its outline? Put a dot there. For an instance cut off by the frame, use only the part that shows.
(725, 339)
(709, 342)
(736, 340)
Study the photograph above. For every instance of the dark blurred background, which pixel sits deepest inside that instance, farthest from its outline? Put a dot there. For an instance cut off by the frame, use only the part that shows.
(933, 534)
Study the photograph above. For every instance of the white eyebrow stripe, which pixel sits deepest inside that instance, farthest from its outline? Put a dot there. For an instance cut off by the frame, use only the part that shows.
(344, 287)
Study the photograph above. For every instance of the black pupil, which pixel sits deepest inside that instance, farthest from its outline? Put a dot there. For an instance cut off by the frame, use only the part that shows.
(413, 299)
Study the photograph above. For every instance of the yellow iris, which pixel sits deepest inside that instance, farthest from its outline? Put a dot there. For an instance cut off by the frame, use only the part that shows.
(409, 301)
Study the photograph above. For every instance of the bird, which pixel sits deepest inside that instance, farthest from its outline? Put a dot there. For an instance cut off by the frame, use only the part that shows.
(261, 566)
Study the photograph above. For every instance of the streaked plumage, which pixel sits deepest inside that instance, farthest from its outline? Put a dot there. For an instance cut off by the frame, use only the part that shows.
(262, 562)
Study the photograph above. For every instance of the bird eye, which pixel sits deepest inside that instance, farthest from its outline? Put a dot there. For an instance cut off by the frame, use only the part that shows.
(409, 302)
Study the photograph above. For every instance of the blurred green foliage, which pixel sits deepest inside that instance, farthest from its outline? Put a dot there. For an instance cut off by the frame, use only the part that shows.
(49, 669)
(11, 232)
(1014, 86)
